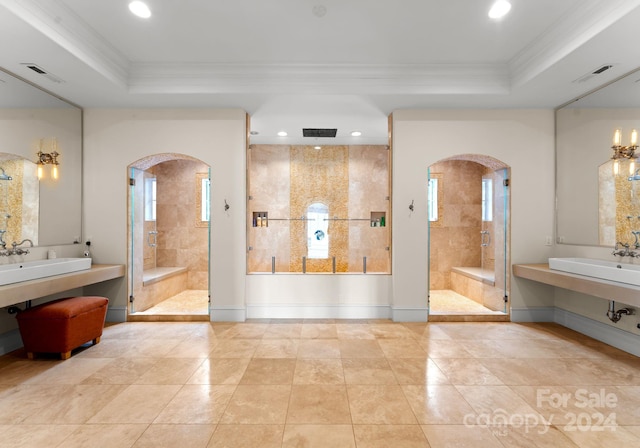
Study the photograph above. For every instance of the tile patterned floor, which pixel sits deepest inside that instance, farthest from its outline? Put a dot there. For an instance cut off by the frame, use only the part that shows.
(325, 383)
(446, 301)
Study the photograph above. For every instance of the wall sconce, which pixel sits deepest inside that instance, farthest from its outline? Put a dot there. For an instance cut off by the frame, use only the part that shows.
(48, 158)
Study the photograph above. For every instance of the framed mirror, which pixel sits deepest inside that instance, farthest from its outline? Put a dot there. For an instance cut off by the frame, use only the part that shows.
(44, 210)
(593, 202)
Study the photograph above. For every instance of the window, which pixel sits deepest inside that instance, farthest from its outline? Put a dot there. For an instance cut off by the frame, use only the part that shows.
(204, 200)
(487, 199)
(432, 199)
(150, 199)
(317, 231)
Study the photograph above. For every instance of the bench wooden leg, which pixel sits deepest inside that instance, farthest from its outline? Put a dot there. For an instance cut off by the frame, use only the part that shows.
(96, 340)
(65, 355)
(30, 355)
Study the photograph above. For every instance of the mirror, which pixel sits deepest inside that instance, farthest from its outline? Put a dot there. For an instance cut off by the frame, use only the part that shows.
(593, 205)
(47, 211)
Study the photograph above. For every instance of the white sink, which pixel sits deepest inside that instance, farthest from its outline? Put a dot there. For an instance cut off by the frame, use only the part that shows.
(602, 269)
(31, 270)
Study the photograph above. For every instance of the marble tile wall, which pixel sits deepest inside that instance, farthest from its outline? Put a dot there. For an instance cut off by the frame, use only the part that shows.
(352, 180)
(180, 241)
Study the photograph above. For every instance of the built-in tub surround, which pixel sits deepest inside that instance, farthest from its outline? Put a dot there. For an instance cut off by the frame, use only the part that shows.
(352, 181)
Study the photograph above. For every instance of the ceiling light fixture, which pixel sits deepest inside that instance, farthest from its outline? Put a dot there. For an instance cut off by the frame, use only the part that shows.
(499, 9)
(282, 134)
(621, 152)
(140, 9)
(356, 133)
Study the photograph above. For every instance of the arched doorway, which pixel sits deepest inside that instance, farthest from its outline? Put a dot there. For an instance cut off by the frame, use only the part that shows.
(168, 239)
(469, 243)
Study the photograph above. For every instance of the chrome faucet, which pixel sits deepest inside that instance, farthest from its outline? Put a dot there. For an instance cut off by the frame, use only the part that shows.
(621, 252)
(18, 250)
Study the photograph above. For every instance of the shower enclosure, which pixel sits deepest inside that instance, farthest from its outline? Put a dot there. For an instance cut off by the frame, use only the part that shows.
(468, 237)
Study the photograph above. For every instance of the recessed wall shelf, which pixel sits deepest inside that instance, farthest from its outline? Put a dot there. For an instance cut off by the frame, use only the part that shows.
(378, 219)
(260, 219)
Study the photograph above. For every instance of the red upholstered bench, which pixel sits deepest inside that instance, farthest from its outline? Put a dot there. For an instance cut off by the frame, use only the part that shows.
(62, 325)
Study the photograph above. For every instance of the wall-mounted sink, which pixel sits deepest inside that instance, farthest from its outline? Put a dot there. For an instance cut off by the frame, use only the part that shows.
(31, 270)
(602, 269)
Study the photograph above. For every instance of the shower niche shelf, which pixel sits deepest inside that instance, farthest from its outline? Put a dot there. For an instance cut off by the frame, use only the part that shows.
(378, 219)
(260, 219)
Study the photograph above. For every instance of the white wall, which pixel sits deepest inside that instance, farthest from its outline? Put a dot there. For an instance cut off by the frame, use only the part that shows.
(522, 139)
(113, 139)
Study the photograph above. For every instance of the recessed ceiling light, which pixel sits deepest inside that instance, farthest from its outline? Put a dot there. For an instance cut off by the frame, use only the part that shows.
(140, 9)
(282, 134)
(356, 133)
(499, 9)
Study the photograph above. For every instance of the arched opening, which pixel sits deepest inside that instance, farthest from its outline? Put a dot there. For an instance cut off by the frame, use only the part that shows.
(468, 244)
(169, 235)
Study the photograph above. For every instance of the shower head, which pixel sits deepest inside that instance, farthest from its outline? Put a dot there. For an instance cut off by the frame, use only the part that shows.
(4, 176)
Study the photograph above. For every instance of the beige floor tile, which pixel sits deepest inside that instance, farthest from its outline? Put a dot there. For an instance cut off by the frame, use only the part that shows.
(197, 404)
(170, 371)
(466, 371)
(23, 401)
(593, 437)
(319, 349)
(261, 405)
(318, 404)
(246, 331)
(283, 331)
(170, 436)
(390, 331)
(417, 371)
(247, 436)
(318, 436)
(193, 347)
(318, 331)
(35, 436)
(235, 348)
(460, 436)
(136, 404)
(121, 371)
(384, 436)
(368, 371)
(220, 371)
(107, 348)
(277, 348)
(71, 371)
(382, 405)
(104, 436)
(518, 372)
(493, 401)
(354, 331)
(627, 399)
(269, 371)
(435, 331)
(150, 348)
(75, 405)
(401, 348)
(439, 348)
(438, 404)
(318, 371)
(19, 371)
(532, 434)
(360, 348)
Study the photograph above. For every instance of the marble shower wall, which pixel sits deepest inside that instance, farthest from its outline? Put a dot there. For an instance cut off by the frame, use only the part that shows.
(181, 241)
(352, 181)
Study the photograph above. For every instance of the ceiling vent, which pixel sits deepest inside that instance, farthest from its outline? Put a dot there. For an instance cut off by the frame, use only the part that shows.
(592, 74)
(40, 71)
(311, 132)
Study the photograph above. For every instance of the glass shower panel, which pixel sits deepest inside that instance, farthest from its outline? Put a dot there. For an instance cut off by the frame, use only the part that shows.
(502, 235)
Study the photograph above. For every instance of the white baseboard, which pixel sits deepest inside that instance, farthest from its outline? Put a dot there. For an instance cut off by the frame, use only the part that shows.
(227, 314)
(409, 314)
(615, 337)
(10, 341)
(540, 314)
(318, 312)
(116, 314)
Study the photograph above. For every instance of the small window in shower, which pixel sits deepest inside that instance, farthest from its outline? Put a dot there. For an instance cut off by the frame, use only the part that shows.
(432, 199)
(487, 199)
(150, 199)
(318, 231)
(204, 202)
(203, 199)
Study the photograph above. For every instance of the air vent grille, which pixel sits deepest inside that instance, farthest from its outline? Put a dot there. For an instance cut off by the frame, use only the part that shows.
(39, 70)
(317, 132)
(593, 73)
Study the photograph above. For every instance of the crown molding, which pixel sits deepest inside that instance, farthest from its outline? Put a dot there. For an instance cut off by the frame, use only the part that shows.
(572, 31)
(62, 26)
(476, 79)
